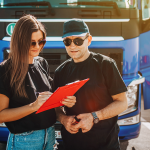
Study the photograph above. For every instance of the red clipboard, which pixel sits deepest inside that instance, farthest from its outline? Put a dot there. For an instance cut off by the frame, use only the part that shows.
(61, 93)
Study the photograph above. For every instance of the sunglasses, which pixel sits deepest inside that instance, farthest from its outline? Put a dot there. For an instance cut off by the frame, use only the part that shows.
(40, 43)
(76, 41)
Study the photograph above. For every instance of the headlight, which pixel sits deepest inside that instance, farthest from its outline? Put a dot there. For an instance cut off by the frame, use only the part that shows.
(2, 125)
(132, 99)
(129, 121)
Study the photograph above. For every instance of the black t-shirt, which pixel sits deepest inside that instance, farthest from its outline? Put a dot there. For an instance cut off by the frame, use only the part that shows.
(105, 81)
(36, 80)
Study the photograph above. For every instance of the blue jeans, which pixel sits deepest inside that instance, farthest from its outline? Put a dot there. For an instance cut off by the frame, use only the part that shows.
(33, 140)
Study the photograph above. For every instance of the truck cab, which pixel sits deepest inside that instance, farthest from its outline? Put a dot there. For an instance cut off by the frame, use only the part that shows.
(120, 30)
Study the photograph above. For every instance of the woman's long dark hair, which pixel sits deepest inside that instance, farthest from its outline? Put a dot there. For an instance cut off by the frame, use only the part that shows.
(19, 51)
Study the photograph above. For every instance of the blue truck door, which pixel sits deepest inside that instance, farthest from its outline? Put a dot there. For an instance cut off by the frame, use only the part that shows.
(145, 50)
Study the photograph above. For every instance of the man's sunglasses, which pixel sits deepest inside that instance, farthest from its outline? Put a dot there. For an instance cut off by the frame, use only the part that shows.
(40, 43)
(76, 41)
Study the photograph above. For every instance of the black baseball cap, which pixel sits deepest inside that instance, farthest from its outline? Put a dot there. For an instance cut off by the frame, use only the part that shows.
(75, 27)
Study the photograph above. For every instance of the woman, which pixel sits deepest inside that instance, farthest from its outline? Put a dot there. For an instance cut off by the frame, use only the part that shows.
(24, 87)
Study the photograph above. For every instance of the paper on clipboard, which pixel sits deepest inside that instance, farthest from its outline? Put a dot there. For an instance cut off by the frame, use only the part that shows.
(61, 93)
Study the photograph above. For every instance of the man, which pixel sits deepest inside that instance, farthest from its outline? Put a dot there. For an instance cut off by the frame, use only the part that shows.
(99, 101)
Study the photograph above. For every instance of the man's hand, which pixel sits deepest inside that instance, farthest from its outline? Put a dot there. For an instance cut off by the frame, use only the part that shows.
(69, 101)
(68, 122)
(86, 122)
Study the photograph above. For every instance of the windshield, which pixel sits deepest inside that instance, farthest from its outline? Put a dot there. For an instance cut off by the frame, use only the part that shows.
(67, 3)
(145, 9)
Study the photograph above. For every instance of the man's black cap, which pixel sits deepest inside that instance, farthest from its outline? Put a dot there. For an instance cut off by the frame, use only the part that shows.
(75, 27)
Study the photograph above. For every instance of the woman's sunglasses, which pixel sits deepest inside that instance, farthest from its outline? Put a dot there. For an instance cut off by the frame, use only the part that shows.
(76, 41)
(40, 43)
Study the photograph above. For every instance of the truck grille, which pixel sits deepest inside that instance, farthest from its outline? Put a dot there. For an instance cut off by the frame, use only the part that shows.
(57, 56)
(54, 58)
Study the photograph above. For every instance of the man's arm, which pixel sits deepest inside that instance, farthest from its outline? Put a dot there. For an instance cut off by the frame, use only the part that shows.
(118, 105)
(67, 121)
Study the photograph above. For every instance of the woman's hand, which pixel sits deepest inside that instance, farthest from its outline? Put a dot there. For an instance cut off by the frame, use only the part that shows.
(43, 96)
(69, 101)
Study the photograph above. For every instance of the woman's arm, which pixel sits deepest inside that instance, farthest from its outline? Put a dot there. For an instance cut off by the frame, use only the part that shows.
(12, 114)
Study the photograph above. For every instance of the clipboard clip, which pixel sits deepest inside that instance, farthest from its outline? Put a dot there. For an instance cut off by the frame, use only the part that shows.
(73, 82)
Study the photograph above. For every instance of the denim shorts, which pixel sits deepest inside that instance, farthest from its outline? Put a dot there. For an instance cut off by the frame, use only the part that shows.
(33, 140)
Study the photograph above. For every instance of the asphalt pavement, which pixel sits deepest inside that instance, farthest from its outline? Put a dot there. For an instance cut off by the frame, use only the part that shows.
(143, 141)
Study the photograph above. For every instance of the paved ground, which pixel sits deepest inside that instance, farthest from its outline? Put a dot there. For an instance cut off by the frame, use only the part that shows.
(140, 143)
(143, 141)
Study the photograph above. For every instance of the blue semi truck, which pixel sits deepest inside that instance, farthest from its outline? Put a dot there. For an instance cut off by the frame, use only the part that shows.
(120, 30)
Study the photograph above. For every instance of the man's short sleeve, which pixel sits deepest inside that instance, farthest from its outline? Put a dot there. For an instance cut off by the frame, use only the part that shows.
(4, 84)
(113, 79)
